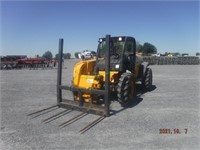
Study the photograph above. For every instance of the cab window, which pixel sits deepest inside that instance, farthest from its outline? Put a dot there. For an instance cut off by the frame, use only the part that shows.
(128, 47)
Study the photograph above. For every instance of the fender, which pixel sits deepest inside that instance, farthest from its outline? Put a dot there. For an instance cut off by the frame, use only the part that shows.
(84, 67)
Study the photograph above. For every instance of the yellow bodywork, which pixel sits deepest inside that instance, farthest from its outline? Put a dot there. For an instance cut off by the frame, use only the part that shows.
(84, 77)
(82, 71)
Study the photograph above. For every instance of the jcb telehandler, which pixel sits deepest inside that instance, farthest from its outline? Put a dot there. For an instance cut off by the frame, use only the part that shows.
(116, 69)
(125, 70)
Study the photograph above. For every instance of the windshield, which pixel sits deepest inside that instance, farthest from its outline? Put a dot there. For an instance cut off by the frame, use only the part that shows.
(115, 48)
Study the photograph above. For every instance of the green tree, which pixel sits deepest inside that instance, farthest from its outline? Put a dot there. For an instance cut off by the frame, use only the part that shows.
(76, 54)
(167, 53)
(67, 56)
(148, 49)
(197, 54)
(56, 57)
(48, 55)
(177, 54)
(185, 54)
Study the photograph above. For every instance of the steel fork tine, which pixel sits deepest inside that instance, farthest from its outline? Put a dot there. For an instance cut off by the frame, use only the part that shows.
(91, 124)
(42, 110)
(54, 115)
(72, 119)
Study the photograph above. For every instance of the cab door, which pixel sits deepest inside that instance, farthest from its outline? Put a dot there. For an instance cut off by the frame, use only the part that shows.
(129, 54)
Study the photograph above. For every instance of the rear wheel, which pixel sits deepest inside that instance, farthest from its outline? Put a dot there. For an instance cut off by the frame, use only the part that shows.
(125, 90)
(147, 80)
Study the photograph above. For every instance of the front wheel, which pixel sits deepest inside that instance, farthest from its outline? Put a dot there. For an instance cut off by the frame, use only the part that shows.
(126, 88)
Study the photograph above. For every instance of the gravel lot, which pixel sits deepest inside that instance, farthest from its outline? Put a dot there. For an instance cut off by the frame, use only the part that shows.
(172, 104)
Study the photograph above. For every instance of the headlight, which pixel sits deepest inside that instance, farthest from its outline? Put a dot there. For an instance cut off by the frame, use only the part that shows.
(117, 66)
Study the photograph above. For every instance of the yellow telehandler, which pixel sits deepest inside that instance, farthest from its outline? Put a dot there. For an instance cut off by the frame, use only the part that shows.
(115, 70)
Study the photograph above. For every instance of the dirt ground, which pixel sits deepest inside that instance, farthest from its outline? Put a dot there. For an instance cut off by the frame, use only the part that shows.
(172, 104)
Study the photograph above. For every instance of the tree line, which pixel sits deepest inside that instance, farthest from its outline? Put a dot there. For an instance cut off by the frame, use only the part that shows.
(147, 49)
(49, 56)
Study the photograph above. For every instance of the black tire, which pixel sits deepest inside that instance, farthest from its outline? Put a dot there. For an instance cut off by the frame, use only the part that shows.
(147, 80)
(125, 90)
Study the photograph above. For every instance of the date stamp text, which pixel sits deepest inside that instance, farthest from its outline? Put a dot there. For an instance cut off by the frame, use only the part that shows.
(173, 131)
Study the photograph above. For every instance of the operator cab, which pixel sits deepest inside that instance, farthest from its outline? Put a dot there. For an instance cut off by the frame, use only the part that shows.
(122, 53)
